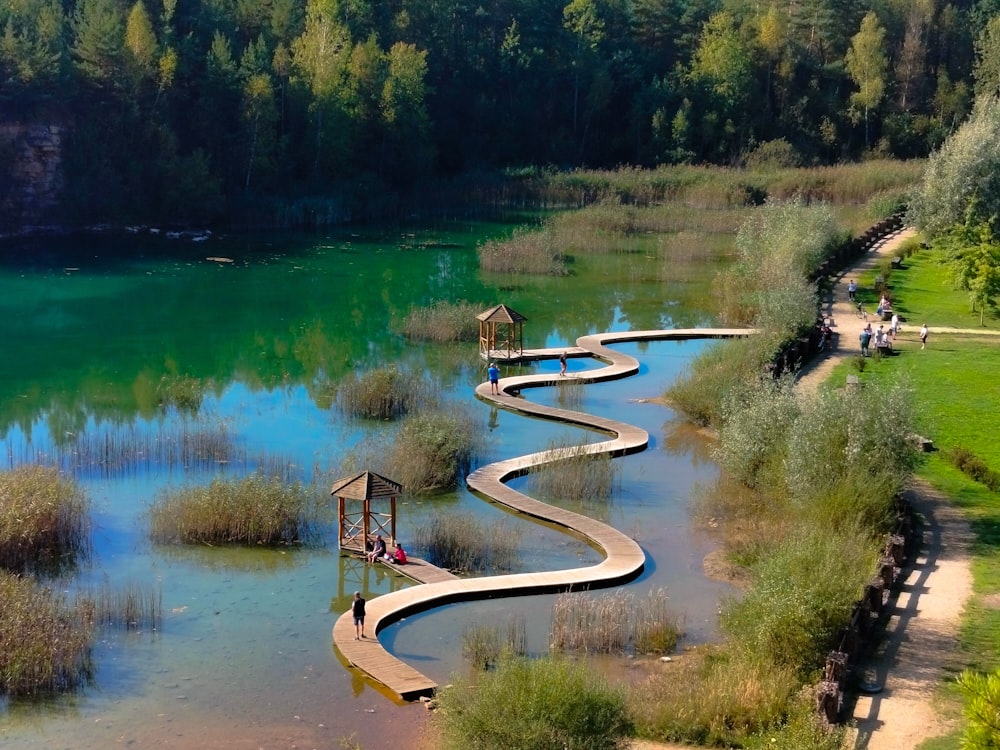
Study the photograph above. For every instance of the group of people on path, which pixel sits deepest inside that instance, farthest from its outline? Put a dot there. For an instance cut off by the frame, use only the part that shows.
(881, 338)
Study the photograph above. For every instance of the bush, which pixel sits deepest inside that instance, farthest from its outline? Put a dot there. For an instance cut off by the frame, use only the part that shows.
(44, 643)
(547, 704)
(253, 510)
(973, 466)
(432, 450)
(43, 519)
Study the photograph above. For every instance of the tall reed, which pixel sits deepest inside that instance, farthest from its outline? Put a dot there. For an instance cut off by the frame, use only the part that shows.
(44, 519)
(525, 252)
(443, 322)
(484, 643)
(576, 476)
(614, 623)
(467, 545)
(129, 607)
(433, 449)
(44, 643)
(383, 393)
(257, 509)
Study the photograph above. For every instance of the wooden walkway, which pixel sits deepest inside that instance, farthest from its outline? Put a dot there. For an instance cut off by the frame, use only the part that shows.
(624, 559)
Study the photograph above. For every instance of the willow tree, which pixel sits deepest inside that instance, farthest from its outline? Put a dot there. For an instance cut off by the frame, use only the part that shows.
(866, 63)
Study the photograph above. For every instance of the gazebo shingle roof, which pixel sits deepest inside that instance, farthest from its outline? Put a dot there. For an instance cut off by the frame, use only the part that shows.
(501, 314)
(365, 486)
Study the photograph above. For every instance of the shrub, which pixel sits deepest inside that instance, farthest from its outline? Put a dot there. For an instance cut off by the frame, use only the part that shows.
(982, 709)
(383, 393)
(43, 519)
(442, 322)
(432, 450)
(973, 466)
(547, 704)
(774, 154)
(254, 510)
(465, 544)
(44, 643)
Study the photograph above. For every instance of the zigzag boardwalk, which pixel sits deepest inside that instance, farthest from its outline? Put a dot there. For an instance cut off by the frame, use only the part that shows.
(624, 559)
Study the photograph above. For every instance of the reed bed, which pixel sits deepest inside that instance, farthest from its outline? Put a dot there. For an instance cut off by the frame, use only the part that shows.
(526, 252)
(575, 476)
(44, 519)
(614, 623)
(129, 607)
(183, 392)
(254, 510)
(569, 394)
(433, 450)
(443, 323)
(484, 643)
(467, 545)
(384, 393)
(44, 643)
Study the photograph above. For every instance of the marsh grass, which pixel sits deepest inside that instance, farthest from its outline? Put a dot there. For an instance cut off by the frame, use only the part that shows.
(44, 642)
(525, 252)
(484, 643)
(442, 322)
(467, 545)
(44, 520)
(254, 510)
(576, 476)
(384, 393)
(130, 607)
(614, 623)
(569, 394)
(433, 450)
(183, 392)
(542, 704)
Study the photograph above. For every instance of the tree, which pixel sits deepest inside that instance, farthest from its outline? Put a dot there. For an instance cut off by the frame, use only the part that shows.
(982, 710)
(32, 50)
(973, 254)
(987, 68)
(99, 43)
(866, 64)
(963, 176)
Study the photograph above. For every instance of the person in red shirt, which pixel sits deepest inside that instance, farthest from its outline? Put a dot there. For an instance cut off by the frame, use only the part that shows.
(399, 556)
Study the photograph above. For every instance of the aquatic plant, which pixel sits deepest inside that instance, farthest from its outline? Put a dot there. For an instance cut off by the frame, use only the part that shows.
(44, 519)
(484, 643)
(614, 623)
(576, 476)
(465, 544)
(383, 393)
(443, 322)
(257, 509)
(433, 450)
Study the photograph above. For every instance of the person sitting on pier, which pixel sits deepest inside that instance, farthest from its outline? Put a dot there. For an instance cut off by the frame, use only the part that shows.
(378, 550)
(399, 556)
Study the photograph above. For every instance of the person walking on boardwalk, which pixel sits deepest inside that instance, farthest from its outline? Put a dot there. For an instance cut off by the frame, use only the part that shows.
(562, 363)
(358, 611)
(493, 373)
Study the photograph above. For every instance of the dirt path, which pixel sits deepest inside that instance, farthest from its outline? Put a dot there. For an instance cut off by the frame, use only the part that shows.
(920, 643)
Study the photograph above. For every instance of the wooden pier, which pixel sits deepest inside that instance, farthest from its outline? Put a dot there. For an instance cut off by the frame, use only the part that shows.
(624, 559)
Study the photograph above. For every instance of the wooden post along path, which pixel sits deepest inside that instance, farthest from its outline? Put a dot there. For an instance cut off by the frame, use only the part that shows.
(624, 558)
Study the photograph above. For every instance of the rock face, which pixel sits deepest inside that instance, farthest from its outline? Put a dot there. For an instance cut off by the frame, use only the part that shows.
(31, 175)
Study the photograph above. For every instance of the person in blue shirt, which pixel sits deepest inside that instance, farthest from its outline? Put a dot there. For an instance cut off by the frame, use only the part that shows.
(494, 375)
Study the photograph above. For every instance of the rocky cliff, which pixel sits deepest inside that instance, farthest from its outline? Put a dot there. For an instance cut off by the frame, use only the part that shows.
(31, 175)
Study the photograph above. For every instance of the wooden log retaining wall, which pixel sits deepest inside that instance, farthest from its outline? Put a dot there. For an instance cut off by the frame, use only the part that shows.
(867, 618)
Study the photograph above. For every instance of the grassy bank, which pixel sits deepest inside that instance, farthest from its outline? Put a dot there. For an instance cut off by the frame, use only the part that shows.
(958, 408)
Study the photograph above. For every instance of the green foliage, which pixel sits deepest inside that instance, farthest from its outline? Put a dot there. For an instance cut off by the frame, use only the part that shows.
(525, 252)
(961, 182)
(432, 450)
(484, 643)
(969, 463)
(973, 255)
(548, 704)
(44, 519)
(982, 710)
(44, 643)
(254, 510)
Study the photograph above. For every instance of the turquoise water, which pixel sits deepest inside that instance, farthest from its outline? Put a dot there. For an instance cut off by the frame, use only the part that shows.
(244, 654)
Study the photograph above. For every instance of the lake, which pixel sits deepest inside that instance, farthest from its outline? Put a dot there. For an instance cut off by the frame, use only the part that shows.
(268, 324)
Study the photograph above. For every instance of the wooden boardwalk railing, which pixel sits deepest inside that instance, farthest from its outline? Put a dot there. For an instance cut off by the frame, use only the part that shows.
(624, 559)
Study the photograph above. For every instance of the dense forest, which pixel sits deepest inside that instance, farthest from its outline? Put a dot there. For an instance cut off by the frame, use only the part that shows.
(182, 108)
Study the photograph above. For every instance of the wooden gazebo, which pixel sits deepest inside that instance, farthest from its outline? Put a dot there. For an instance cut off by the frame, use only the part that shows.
(501, 333)
(358, 524)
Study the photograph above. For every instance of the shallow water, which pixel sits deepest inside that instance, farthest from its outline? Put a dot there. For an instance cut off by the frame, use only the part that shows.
(244, 655)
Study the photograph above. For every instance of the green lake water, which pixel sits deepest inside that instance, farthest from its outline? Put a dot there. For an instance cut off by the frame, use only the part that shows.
(244, 656)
